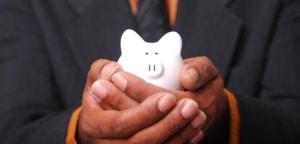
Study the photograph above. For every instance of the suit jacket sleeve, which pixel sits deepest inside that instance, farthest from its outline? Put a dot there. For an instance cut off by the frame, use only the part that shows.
(274, 117)
(31, 108)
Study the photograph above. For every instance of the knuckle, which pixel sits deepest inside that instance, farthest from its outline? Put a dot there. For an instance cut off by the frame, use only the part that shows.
(207, 68)
(116, 101)
(85, 127)
(181, 138)
(96, 64)
(172, 125)
(119, 128)
(109, 69)
(205, 59)
(138, 92)
(94, 68)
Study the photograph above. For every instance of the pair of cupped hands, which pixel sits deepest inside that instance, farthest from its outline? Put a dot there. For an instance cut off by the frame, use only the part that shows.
(119, 107)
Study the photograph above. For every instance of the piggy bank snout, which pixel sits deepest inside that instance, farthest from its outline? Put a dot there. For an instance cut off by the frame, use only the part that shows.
(153, 69)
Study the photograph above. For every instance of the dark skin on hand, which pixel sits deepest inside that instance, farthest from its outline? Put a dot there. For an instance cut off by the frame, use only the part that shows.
(118, 107)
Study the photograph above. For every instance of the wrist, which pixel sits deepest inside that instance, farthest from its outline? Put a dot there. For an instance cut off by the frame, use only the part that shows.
(218, 132)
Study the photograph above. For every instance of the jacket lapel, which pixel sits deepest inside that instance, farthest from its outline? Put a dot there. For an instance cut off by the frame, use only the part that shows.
(208, 28)
(96, 32)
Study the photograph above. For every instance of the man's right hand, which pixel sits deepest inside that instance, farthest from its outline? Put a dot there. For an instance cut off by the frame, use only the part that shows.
(109, 116)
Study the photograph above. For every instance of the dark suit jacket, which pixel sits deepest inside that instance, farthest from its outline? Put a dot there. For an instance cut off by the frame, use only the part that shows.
(47, 46)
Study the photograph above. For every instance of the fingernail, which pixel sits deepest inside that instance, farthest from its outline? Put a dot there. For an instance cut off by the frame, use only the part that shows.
(191, 75)
(120, 81)
(189, 109)
(109, 69)
(98, 91)
(203, 115)
(196, 139)
(166, 102)
(198, 120)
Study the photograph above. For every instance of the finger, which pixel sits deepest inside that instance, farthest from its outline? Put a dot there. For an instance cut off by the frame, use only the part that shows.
(109, 96)
(197, 72)
(191, 133)
(110, 69)
(93, 75)
(95, 69)
(133, 86)
(205, 100)
(122, 124)
(102, 68)
(184, 112)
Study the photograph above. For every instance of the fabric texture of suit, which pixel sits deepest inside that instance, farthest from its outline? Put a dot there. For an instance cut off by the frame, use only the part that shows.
(47, 46)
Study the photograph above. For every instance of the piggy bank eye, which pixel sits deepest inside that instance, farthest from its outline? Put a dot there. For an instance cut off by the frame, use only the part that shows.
(146, 53)
(156, 53)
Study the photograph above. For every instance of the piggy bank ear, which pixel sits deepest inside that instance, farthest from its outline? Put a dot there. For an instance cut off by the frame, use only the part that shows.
(130, 41)
(171, 42)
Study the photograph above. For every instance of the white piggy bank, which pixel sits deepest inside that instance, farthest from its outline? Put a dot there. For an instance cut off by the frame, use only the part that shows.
(158, 63)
